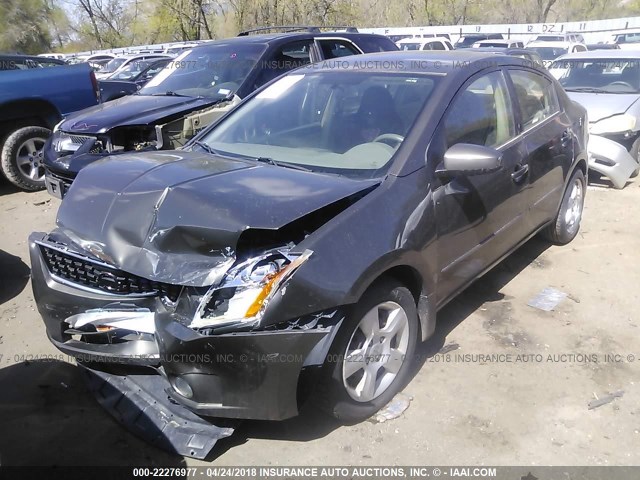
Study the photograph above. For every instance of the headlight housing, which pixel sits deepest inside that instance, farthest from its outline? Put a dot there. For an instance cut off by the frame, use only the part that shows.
(246, 289)
(615, 124)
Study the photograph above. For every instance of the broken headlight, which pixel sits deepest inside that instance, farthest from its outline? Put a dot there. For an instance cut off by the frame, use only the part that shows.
(247, 288)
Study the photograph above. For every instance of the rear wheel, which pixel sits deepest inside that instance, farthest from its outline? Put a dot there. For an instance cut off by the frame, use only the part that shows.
(369, 360)
(566, 225)
(22, 156)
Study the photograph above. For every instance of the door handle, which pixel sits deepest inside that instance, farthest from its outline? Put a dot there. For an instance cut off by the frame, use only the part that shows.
(519, 173)
(565, 138)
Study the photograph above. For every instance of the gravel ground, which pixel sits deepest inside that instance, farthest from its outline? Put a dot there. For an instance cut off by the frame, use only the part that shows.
(513, 389)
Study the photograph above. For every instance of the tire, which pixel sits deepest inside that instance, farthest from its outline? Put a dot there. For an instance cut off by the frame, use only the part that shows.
(21, 157)
(635, 153)
(338, 389)
(566, 225)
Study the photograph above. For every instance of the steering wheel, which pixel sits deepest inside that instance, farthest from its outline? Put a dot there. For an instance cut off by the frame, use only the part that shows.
(392, 139)
(620, 82)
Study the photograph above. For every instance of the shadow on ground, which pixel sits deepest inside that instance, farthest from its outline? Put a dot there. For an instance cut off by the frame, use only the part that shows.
(7, 188)
(49, 418)
(14, 275)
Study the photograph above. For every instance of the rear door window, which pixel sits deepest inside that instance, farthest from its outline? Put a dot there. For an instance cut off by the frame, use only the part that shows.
(536, 96)
(285, 58)
(335, 48)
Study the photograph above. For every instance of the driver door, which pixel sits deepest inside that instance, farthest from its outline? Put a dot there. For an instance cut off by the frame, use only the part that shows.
(478, 217)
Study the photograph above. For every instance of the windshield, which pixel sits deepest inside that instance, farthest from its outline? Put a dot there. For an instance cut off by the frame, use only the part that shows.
(214, 71)
(549, 53)
(113, 65)
(493, 44)
(606, 75)
(409, 46)
(132, 70)
(343, 122)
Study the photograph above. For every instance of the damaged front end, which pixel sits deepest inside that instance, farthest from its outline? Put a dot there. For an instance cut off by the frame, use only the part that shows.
(69, 151)
(206, 343)
(612, 160)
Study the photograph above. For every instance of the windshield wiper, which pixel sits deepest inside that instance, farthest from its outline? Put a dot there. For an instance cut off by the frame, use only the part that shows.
(207, 148)
(168, 93)
(587, 90)
(275, 163)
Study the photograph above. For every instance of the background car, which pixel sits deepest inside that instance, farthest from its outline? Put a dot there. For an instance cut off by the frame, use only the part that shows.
(425, 44)
(550, 50)
(607, 84)
(529, 55)
(328, 237)
(32, 101)
(467, 40)
(192, 91)
(121, 61)
(499, 44)
(130, 79)
(24, 62)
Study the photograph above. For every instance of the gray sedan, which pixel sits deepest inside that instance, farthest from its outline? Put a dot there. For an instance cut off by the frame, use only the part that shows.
(607, 84)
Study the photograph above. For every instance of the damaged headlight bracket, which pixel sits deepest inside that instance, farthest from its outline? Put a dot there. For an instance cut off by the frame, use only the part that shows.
(246, 289)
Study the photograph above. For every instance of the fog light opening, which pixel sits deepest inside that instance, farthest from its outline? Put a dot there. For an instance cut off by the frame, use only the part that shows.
(181, 386)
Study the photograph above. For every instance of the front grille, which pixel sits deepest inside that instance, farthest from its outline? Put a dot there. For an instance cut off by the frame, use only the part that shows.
(84, 272)
(80, 139)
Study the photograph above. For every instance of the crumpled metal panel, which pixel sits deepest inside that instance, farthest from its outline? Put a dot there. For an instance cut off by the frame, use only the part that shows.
(141, 404)
(176, 217)
(608, 150)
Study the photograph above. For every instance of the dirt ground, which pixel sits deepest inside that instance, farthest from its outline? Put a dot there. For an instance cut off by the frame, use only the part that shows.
(524, 403)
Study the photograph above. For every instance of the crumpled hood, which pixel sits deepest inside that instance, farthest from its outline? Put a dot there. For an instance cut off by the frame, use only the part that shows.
(132, 110)
(176, 216)
(603, 105)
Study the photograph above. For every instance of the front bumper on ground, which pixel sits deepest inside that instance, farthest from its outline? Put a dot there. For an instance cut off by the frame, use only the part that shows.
(251, 374)
(611, 159)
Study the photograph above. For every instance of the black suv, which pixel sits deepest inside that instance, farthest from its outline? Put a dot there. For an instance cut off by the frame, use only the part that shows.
(199, 86)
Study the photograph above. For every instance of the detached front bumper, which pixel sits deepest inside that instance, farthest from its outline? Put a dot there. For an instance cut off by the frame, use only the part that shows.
(251, 374)
(611, 159)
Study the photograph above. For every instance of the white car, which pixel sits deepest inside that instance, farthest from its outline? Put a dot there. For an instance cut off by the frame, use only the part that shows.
(436, 43)
(549, 51)
(122, 61)
(560, 37)
(498, 44)
(626, 40)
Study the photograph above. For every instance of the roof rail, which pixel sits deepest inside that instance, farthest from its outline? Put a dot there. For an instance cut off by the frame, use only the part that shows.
(297, 28)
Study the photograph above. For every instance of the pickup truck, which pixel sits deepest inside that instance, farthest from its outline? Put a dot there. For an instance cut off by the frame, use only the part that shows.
(32, 101)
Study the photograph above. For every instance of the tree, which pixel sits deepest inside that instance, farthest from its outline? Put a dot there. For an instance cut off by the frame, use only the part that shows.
(24, 26)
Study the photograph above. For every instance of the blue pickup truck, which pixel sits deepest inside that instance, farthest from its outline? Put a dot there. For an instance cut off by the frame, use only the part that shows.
(33, 99)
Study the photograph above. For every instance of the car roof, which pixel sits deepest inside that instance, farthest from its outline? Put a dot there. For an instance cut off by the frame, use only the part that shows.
(496, 40)
(601, 54)
(554, 44)
(440, 62)
(266, 38)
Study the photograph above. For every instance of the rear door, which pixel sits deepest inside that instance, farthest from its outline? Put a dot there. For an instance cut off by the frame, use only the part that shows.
(478, 217)
(547, 133)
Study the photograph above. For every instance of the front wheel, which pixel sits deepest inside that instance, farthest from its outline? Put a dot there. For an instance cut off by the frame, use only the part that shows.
(22, 157)
(369, 361)
(566, 225)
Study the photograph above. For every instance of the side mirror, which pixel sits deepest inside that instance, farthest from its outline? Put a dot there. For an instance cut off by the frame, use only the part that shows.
(467, 159)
